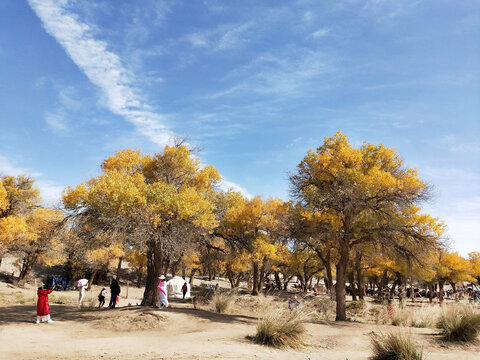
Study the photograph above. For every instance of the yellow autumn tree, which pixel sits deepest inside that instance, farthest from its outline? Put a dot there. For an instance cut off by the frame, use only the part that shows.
(366, 191)
(452, 268)
(157, 203)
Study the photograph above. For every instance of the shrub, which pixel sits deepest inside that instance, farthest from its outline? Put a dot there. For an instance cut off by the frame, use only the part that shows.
(401, 317)
(280, 328)
(394, 347)
(222, 301)
(459, 324)
(325, 309)
(426, 317)
(356, 305)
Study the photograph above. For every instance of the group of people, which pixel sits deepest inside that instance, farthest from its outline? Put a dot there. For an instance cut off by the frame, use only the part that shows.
(43, 309)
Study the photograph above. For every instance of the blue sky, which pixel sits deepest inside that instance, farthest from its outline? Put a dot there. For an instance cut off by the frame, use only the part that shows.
(254, 84)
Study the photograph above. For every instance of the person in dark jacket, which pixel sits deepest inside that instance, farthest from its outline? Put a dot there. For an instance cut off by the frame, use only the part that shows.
(115, 291)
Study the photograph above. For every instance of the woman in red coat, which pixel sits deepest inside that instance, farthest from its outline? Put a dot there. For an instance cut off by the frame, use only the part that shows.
(43, 310)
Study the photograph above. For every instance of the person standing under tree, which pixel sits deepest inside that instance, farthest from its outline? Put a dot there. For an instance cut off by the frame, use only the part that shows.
(162, 289)
(43, 308)
(114, 291)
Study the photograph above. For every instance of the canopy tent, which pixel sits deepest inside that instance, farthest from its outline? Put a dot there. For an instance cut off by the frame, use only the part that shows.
(174, 287)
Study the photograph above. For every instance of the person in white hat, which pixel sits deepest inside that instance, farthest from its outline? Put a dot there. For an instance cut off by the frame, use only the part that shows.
(162, 289)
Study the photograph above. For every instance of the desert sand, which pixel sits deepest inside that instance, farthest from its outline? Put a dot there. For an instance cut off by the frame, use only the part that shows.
(180, 332)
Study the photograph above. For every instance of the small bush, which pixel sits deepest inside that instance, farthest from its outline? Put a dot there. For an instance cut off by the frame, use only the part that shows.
(280, 328)
(379, 314)
(222, 302)
(459, 324)
(394, 347)
(356, 305)
(426, 317)
(325, 309)
(401, 317)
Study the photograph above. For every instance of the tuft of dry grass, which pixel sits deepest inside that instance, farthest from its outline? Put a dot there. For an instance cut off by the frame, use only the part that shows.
(459, 323)
(425, 317)
(281, 328)
(401, 317)
(394, 347)
(222, 302)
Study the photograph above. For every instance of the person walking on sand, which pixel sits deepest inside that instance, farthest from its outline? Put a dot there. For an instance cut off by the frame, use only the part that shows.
(184, 290)
(101, 298)
(114, 291)
(82, 285)
(162, 289)
(43, 308)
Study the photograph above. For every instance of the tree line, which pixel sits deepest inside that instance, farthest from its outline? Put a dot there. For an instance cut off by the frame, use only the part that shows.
(354, 217)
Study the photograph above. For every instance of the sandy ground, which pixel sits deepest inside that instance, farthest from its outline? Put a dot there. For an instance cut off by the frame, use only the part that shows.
(181, 332)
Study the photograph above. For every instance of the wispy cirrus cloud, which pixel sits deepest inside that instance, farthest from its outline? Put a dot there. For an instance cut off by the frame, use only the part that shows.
(225, 37)
(102, 67)
(279, 74)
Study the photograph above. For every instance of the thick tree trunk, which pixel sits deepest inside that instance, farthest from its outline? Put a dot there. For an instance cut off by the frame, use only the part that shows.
(154, 267)
(239, 278)
(255, 279)
(184, 271)
(341, 313)
(27, 266)
(441, 283)
(261, 279)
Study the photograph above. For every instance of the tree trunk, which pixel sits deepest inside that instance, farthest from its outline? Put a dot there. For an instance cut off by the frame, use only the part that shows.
(278, 283)
(255, 279)
(119, 268)
(351, 280)
(309, 288)
(261, 277)
(154, 268)
(139, 276)
(231, 278)
(27, 266)
(360, 282)
(341, 313)
(184, 271)
(430, 292)
(440, 291)
(92, 278)
(192, 276)
(239, 278)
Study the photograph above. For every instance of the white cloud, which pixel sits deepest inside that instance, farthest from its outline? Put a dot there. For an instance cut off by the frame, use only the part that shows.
(226, 185)
(223, 38)
(457, 145)
(102, 67)
(285, 75)
(8, 169)
(57, 122)
(49, 191)
(320, 33)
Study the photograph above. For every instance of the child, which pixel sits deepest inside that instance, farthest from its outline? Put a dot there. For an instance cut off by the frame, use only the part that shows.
(293, 302)
(101, 298)
(43, 309)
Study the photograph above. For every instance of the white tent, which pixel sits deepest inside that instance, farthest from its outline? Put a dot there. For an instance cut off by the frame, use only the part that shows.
(174, 288)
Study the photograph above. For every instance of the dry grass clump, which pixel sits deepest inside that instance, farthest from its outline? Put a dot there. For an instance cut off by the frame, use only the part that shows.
(425, 317)
(325, 309)
(401, 317)
(394, 347)
(459, 324)
(280, 328)
(222, 302)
